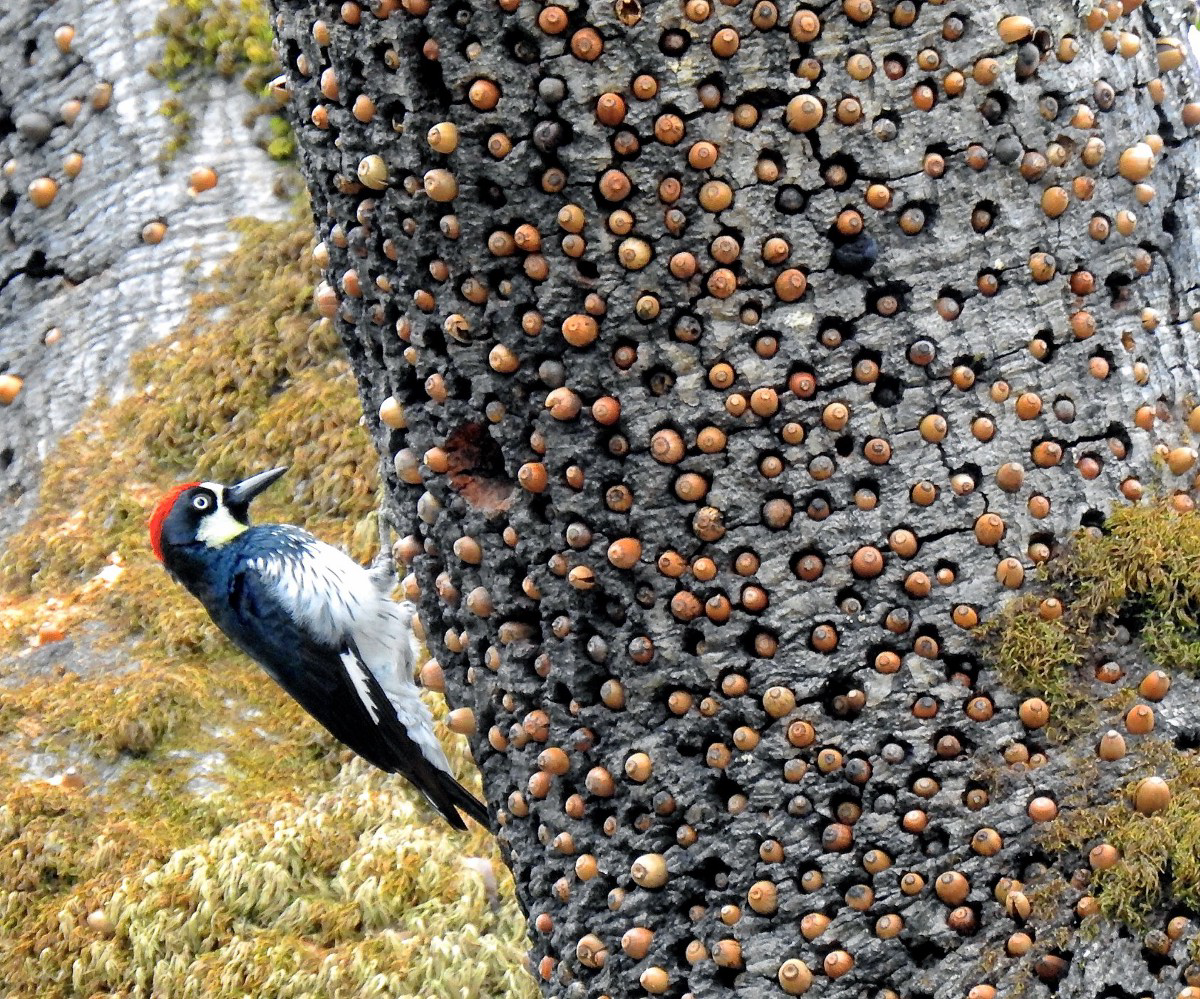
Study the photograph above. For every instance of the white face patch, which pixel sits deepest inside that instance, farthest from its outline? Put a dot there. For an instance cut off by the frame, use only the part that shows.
(218, 527)
(358, 676)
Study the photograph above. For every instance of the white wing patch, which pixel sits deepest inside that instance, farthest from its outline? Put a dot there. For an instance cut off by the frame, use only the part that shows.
(336, 599)
(358, 677)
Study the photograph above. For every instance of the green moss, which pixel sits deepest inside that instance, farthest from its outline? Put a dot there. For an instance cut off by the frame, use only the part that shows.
(232, 845)
(1139, 573)
(1144, 562)
(1160, 853)
(230, 38)
(1039, 657)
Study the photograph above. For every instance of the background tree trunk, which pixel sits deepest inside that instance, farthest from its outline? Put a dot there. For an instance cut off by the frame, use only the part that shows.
(84, 283)
(746, 355)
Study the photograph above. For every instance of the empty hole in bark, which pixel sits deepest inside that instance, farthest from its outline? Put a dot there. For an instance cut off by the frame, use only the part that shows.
(713, 871)
(768, 97)
(726, 978)
(552, 373)
(429, 75)
(523, 46)
(476, 468)
(6, 458)
(615, 612)
(887, 392)
(660, 380)
(393, 111)
(540, 508)
(1034, 863)
(935, 843)
(674, 43)
(790, 200)
(1092, 518)
(1118, 286)
(491, 193)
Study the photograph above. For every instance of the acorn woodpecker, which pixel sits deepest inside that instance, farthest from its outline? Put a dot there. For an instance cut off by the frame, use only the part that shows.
(321, 625)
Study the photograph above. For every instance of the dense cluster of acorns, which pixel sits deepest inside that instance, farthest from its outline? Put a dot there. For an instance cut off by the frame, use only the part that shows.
(740, 357)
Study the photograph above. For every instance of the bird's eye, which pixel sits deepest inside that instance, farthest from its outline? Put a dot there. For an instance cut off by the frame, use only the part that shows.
(201, 502)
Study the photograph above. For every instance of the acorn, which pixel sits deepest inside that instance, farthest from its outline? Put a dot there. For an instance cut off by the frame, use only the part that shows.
(42, 191)
(1151, 795)
(440, 185)
(10, 388)
(649, 870)
(794, 977)
(1111, 746)
(202, 179)
(1136, 162)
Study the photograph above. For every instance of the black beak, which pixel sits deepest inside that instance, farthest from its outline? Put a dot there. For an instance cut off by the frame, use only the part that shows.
(238, 496)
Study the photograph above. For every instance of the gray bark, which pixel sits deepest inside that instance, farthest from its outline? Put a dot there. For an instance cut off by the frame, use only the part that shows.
(531, 631)
(80, 267)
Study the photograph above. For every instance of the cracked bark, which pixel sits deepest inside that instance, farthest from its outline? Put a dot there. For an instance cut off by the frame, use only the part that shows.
(80, 292)
(555, 647)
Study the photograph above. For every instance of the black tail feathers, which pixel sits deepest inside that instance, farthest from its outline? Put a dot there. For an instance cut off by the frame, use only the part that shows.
(447, 795)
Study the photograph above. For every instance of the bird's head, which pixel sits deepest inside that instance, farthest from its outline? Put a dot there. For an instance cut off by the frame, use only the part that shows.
(206, 513)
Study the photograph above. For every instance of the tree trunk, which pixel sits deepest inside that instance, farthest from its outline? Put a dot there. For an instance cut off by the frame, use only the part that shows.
(99, 264)
(746, 356)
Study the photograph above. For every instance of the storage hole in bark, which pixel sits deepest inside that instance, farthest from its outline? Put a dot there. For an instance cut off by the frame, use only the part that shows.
(476, 468)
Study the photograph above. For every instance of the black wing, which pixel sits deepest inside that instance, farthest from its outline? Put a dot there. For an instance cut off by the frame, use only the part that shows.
(320, 678)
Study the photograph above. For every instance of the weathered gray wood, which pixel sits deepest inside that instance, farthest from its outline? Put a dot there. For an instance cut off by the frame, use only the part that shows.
(529, 618)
